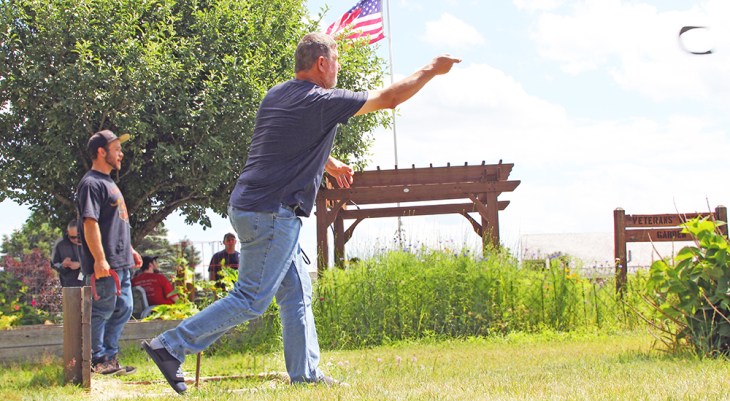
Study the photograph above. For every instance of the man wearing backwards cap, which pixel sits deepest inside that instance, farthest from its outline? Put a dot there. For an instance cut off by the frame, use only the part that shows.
(107, 254)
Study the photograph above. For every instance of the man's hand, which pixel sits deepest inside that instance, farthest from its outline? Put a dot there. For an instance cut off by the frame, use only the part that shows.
(137, 259)
(442, 64)
(101, 269)
(398, 92)
(70, 264)
(339, 171)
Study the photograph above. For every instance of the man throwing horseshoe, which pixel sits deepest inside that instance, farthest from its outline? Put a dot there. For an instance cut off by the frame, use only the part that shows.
(295, 128)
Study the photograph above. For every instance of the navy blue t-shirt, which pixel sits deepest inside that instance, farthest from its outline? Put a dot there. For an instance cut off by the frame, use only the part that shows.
(99, 198)
(295, 129)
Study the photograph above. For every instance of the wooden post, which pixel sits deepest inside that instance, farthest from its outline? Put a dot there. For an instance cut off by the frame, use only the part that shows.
(339, 226)
(86, 336)
(721, 215)
(492, 224)
(77, 335)
(619, 246)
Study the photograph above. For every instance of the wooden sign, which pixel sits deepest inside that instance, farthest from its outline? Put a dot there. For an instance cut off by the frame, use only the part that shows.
(652, 228)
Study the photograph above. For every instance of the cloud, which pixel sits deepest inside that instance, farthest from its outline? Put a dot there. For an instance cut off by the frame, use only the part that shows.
(449, 30)
(538, 5)
(637, 46)
(574, 172)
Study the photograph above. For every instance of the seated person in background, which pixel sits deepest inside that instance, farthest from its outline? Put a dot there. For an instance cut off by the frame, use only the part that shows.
(226, 258)
(158, 288)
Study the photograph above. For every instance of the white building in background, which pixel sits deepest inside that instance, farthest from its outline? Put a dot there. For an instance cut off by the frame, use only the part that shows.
(594, 252)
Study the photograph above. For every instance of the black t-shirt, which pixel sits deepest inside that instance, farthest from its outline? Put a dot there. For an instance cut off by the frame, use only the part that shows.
(99, 198)
(295, 129)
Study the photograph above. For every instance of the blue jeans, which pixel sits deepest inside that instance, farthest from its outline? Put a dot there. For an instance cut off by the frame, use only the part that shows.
(270, 264)
(109, 314)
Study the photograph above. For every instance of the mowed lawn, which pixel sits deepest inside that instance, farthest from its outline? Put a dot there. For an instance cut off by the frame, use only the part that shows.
(543, 366)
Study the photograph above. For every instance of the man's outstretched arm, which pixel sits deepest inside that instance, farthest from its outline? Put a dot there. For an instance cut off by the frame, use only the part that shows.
(399, 92)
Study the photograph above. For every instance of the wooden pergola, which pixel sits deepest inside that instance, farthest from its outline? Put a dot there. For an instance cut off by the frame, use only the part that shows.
(478, 185)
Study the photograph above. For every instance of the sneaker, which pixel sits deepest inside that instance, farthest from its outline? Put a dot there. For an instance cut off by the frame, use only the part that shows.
(122, 370)
(106, 367)
(169, 366)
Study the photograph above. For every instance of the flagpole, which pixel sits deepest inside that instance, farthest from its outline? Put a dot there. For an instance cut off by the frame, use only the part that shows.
(392, 80)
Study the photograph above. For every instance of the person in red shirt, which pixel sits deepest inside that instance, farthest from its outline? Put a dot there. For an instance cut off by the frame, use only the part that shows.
(158, 288)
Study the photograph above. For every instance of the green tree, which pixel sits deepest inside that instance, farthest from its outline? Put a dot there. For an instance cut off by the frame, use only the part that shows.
(184, 77)
(156, 244)
(35, 234)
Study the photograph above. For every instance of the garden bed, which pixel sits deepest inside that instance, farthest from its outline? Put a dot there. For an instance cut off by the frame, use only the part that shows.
(32, 343)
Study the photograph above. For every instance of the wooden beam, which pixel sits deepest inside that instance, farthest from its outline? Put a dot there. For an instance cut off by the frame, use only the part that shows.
(474, 224)
(657, 235)
(351, 229)
(331, 214)
(660, 220)
(423, 210)
(433, 175)
(417, 193)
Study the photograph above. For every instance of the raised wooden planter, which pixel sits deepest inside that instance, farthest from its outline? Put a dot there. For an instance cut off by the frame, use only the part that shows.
(33, 343)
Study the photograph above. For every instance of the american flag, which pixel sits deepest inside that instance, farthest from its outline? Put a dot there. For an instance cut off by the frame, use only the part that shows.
(366, 18)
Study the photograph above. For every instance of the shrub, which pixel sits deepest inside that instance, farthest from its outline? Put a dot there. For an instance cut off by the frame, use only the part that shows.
(42, 290)
(693, 293)
(16, 306)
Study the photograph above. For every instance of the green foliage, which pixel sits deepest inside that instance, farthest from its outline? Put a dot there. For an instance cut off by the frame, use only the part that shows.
(260, 335)
(184, 77)
(227, 277)
(34, 234)
(156, 244)
(43, 293)
(693, 293)
(184, 306)
(16, 304)
(402, 295)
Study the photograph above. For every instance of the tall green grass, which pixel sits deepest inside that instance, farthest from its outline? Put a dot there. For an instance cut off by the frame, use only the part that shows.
(410, 295)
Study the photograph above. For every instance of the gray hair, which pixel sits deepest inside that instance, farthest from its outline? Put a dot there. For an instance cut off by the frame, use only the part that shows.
(310, 48)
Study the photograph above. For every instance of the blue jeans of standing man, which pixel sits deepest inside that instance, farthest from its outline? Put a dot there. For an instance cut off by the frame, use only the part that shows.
(109, 314)
(270, 264)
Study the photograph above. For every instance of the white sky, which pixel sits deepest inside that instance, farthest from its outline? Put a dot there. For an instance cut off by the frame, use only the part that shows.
(594, 102)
